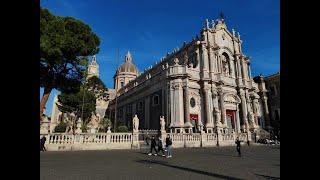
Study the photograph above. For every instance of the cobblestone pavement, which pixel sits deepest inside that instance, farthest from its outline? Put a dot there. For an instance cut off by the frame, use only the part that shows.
(257, 162)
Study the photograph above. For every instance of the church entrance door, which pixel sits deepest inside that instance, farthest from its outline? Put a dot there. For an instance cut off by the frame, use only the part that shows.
(194, 121)
(231, 119)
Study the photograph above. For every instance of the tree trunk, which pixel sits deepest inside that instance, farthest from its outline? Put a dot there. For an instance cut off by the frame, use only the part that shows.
(44, 99)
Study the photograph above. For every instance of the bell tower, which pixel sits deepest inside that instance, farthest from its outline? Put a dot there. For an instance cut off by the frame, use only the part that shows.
(93, 68)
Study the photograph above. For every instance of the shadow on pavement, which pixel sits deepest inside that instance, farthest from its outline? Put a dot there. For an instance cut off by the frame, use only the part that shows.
(217, 154)
(164, 163)
(267, 177)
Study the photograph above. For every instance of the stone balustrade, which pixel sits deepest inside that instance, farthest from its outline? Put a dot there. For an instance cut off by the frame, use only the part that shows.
(104, 141)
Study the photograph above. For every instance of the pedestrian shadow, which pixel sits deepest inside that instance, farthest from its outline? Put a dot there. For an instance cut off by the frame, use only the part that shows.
(267, 177)
(164, 163)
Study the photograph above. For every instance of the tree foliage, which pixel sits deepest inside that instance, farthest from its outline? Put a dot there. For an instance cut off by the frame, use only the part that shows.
(104, 124)
(74, 102)
(96, 86)
(123, 129)
(65, 44)
(61, 127)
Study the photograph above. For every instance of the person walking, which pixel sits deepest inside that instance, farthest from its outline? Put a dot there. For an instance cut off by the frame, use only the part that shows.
(42, 143)
(169, 146)
(160, 146)
(238, 142)
(153, 146)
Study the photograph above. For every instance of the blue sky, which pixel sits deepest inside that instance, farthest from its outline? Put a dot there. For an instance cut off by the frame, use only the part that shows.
(151, 28)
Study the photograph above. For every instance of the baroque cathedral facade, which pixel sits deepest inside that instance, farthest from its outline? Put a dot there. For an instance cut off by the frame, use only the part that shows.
(205, 85)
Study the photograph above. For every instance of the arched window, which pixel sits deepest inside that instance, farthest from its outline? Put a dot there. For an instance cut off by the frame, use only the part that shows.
(121, 84)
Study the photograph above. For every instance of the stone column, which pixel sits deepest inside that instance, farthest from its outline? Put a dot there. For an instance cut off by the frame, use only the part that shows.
(177, 113)
(162, 102)
(211, 60)
(124, 115)
(180, 110)
(134, 108)
(255, 108)
(187, 123)
(236, 67)
(238, 119)
(244, 110)
(147, 112)
(208, 110)
(249, 70)
(266, 112)
(243, 68)
(219, 64)
(172, 106)
(168, 105)
(223, 110)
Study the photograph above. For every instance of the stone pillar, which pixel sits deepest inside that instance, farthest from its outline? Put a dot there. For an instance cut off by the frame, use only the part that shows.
(187, 124)
(180, 112)
(223, 110)
(162, 102)
(147, 112)
(177, 113)
(238, 119)
(124, 115)
(168, 105)
(266, 112)
(134, 108)
(244, 110)
(249, 70)
(211, 60)
(243, 68)
(135, 141)
(255, 110)
(208, 110)
(172, 106)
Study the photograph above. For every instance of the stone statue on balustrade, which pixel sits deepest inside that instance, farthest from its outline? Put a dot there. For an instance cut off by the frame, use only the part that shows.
(135, 123)
(217, 114)
(94, 123)
(78, 130)
(162, 124)
(251, 119)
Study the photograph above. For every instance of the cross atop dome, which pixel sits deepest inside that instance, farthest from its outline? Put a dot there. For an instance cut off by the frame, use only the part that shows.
(128, 57)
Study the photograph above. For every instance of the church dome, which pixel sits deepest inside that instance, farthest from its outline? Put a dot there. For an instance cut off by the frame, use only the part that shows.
(127, 66)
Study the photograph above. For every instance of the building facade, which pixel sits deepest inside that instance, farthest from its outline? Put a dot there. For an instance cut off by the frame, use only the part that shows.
(205, 85)
(273, 86)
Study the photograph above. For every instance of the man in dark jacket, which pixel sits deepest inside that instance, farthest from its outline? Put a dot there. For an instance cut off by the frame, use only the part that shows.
(42, 142)
(238, 142)
(153, 146)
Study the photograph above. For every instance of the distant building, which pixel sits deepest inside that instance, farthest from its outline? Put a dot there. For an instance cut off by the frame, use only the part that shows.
(273, 87)
(101, 103)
